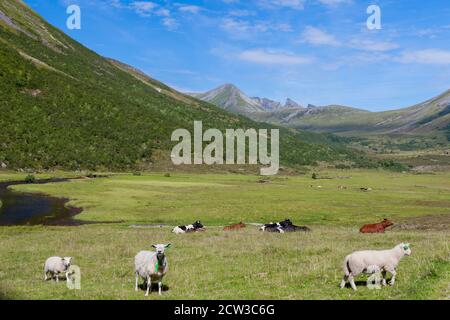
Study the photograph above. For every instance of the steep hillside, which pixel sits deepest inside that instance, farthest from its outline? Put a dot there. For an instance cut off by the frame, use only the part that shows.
(63, 105)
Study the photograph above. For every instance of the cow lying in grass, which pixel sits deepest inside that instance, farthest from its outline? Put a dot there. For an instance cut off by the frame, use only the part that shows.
(195, 227)
(236, 226)
(283, 226)
(376, 227)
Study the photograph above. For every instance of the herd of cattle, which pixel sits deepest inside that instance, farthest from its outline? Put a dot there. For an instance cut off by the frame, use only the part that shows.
(280, 227)
(152, 266)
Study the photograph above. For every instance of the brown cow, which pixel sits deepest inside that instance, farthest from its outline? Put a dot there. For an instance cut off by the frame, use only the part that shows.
(236, 226)
(376, 227)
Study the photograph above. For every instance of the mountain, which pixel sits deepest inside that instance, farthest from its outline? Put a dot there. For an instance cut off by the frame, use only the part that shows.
(231, 98)
(64, 106)
(291, 104)
(432, 116)
(267, 104)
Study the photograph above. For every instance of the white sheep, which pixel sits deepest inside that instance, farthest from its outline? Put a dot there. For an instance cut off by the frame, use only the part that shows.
(371, 261)
(151, 266)
(57, 265)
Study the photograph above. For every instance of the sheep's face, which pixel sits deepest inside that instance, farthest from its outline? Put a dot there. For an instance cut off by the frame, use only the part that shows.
(67, 261)
(406, 247)
(161, 248)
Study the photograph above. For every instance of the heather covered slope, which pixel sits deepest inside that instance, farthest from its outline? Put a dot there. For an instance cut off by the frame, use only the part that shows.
(65, 106)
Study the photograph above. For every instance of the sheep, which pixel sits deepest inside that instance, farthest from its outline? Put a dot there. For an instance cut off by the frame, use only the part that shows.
(57, 265)
(374, 261)
(151, 266)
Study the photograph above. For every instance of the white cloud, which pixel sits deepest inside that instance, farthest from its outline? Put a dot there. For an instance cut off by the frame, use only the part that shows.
(244, 28)
(143, 8)
(291, 4)
(316, 36)
(170, 23)
(242, 13)
(370, 45)
(238, 27)
(427, 56)
(334, 2)
(261, 56)
(190, 9)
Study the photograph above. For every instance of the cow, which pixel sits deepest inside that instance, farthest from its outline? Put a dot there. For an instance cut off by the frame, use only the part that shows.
(195, 227)
(272, 227)
(283, 226)
(376, 227)
(288, 226)
(236, 226)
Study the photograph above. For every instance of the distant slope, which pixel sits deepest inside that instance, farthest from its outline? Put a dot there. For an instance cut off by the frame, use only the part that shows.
(432, 116)
(429, 117)
(64, 106)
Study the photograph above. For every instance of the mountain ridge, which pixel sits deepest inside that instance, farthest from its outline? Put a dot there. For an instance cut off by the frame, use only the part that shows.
(432, 115)
(230, 97)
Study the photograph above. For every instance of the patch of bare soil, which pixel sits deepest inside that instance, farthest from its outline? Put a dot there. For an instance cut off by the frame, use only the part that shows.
(434, 222)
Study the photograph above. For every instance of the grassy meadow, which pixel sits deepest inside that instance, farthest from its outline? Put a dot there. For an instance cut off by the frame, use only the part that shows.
(246, 264)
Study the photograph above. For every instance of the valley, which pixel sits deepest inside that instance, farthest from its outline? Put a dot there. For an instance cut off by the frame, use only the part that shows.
(304, 265)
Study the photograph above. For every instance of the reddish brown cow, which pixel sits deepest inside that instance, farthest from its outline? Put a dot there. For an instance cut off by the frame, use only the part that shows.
(376, 227)
(236, 226)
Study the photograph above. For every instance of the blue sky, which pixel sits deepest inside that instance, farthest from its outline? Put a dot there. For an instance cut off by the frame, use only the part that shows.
(313, 51)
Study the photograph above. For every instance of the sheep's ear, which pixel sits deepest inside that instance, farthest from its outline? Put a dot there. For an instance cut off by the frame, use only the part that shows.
(153, 246)
(168, 246)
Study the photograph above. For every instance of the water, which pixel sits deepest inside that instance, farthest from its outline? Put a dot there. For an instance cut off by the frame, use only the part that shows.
(34, 209)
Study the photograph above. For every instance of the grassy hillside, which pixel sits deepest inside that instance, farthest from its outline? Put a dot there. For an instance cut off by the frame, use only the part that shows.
(63, 105)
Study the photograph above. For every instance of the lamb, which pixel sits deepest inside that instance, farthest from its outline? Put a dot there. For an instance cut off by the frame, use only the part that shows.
(374, 261)
(151, 266)
(57, 265)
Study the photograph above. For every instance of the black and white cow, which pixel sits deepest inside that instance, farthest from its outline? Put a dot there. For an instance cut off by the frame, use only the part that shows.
(196, 226)
(282, 227)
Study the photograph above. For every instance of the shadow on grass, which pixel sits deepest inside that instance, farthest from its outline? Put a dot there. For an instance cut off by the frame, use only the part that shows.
(154, 288)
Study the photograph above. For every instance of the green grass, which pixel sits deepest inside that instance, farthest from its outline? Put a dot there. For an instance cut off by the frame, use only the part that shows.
(240, 265)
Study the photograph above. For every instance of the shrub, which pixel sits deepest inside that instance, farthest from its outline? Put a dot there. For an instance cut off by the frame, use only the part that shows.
(30, 179)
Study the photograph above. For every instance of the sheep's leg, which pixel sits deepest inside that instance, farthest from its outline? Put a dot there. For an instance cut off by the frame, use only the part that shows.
(149, 286)
(45, 276)
(159, 287)
(394, 273)
(137, 282)
(344, 281)
(352, 282)
(57, 278)
(384, 278)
